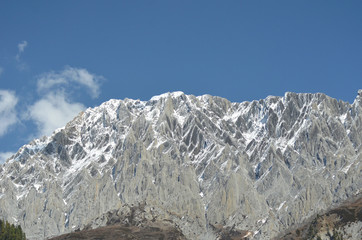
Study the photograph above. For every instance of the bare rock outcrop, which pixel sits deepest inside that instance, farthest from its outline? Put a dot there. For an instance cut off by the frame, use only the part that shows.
(199, 163)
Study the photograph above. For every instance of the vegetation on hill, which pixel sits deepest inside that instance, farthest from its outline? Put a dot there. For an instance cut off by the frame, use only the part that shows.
(10, 231)
(343, 222)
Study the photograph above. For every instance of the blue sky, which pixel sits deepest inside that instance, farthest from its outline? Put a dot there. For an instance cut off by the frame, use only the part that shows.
(60, 57)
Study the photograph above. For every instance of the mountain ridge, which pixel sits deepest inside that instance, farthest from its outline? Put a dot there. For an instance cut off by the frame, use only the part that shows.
(262, 166)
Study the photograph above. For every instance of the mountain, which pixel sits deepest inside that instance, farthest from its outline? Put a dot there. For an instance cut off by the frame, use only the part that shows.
(203, 165)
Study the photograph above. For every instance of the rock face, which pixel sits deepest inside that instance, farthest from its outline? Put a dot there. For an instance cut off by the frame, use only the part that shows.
(198, 162)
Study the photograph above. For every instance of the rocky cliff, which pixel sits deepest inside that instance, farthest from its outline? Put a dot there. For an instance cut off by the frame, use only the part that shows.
(201, 163)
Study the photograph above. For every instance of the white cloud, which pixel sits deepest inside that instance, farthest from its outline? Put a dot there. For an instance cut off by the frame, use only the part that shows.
(21, 48)
(48, 81)
(8, 116)
(53, 111)
(71, 75)
(5, 155)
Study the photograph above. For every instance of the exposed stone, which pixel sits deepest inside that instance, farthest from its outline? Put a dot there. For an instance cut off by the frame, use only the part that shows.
(255, 168)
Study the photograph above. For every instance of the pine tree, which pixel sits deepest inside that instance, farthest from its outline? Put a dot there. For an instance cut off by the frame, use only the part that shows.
(10, 231)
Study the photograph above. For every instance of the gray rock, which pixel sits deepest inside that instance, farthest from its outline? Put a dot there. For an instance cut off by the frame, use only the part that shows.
(197, 162)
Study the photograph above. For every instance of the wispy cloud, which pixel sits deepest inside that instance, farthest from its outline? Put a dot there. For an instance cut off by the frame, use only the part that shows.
(5, 155)
(8, 116)
(1, 71)
(21, 48)
(69, 76)
(54, 108)
(53, 111)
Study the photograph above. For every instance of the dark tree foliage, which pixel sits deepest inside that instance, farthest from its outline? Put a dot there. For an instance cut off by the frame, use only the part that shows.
(11, 232)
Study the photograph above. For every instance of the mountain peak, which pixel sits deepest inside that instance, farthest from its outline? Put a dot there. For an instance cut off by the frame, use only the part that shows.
(175, 94)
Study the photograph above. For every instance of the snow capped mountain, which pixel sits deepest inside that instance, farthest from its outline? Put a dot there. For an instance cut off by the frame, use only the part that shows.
(198, 162)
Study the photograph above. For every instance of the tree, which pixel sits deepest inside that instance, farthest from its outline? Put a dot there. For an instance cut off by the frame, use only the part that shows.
(10, 231)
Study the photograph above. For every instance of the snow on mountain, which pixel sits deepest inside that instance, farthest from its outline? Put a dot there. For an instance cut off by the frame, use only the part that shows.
(260, 166)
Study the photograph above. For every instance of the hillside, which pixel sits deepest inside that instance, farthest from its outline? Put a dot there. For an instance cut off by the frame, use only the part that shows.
(343, 222)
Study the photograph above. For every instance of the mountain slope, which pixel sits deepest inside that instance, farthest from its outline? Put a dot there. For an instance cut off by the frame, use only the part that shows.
(343, 222)
(197, 162)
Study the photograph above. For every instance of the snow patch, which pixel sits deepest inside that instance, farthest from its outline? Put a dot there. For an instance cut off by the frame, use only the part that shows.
(281, 205)
(165, 95)
(37, 186)
(346, 168)
(342, 118)
(262, 221)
